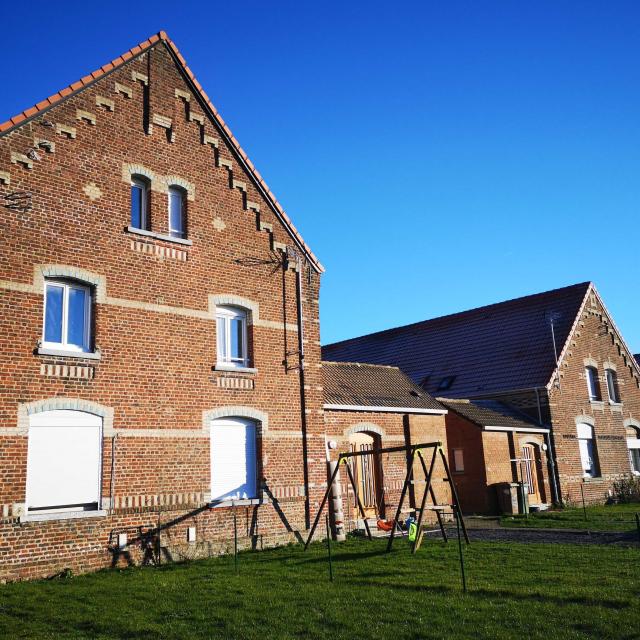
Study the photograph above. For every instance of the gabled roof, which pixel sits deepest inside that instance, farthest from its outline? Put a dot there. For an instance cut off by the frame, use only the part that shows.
(352, 384)
(162, 37)
(489, 413)
(501, 347)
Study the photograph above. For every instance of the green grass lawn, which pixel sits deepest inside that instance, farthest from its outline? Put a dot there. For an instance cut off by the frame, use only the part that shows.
(515, 590)
(619, 517)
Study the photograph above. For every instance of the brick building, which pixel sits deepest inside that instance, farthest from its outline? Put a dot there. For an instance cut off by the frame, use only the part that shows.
(557, 357)
(493, 449)
(157, 307)
(369, 407)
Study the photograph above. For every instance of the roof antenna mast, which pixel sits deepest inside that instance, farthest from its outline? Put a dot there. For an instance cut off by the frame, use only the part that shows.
(555, 315)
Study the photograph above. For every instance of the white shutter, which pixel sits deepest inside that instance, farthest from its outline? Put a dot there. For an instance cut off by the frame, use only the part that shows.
(233, 459)
(64, 460)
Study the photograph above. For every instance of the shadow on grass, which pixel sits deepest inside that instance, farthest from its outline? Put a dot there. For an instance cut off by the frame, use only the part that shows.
(484, 593)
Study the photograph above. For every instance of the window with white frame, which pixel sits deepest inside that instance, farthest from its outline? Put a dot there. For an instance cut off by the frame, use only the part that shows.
(67, 316)
(231, 329)
(612, 386)
(458, 460)
(140, 218)
(64, 461)
(234, 466)
(587, 450)
(177, 217)
(633, 445)
(593, 384)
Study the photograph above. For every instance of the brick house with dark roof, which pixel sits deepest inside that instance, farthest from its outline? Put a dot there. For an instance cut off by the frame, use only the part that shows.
(371, 406)
(159, 330)
(556, 356)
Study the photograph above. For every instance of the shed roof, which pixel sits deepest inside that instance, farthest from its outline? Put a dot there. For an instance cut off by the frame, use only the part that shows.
(353, 384)
(489, 413)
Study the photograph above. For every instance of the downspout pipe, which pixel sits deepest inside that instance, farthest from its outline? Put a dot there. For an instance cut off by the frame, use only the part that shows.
(551, 454)
(301, 373)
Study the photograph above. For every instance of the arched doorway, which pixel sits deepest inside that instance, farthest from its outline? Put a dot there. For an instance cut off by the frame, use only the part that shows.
(531, 472)
(367, 473)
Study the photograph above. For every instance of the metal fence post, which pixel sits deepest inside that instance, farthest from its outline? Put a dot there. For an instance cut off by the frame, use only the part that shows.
(329, 550)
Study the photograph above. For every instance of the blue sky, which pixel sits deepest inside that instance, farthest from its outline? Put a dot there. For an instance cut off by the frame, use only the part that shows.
(437, 156)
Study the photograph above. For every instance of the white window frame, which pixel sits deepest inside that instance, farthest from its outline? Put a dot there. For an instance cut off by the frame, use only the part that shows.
(633, 444)
(177, 233)
(223, 497)
(458, 460)
(86, 338)
(224, 315)
(592, 384)
(612, 386)
(587, 448)
(143, 184)
(64, 418)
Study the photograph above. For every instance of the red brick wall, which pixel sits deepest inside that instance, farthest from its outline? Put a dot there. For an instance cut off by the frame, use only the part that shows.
(487, 462)
(153, 326)
(595, 342)
(393, 429)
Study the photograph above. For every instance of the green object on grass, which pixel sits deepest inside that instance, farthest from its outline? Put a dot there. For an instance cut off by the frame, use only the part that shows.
(413, 531)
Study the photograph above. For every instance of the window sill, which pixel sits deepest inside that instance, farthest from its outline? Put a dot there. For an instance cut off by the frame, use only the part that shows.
(64, 353)
(617, 405)
(62, 515)
(216, 504)
(596, 403)
(158, 236)
(592, 479)
(230, 367)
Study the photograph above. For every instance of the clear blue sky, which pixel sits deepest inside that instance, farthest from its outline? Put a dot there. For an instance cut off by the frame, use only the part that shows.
(436, 155)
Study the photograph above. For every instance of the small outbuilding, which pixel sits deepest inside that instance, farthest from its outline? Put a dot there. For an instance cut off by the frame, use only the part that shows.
(368, 407)
(495, 453)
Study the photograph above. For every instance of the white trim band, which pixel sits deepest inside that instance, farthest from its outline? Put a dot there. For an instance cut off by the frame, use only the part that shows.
(357, 407)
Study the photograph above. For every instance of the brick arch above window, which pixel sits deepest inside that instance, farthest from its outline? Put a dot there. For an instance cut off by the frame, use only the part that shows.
(366, 427)
(237, 411)
(590, 362)
(27, 409)
(585, 419)
(633, 423)
(230, 300)
(159, 182)
(130, 170)
(44, 271)
(530, 439)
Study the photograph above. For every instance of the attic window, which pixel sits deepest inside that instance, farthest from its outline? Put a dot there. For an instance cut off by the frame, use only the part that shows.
(446, 383)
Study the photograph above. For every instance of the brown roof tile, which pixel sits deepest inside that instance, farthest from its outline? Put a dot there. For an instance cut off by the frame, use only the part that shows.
(501, 347)
(489, 413)
(366, 385)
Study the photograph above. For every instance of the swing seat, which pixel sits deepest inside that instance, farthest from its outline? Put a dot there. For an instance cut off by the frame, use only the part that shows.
(385, 525)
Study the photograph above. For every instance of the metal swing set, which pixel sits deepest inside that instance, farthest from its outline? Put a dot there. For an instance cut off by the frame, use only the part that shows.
(419, 451)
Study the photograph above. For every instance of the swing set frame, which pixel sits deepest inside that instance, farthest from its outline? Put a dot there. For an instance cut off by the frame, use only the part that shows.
(412, 452)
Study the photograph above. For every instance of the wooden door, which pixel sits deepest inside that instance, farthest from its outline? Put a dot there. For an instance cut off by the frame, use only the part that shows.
(530, 473)
(366, 474)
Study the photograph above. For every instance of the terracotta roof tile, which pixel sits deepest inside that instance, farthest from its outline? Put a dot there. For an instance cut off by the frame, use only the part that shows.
(143, 46)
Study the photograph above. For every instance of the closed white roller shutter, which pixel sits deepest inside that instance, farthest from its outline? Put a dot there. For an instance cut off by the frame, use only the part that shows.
(64, 461)
(233, 459)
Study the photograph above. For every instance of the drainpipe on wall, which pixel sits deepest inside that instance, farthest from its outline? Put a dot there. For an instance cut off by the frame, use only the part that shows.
(303, 399)
(551, 454)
